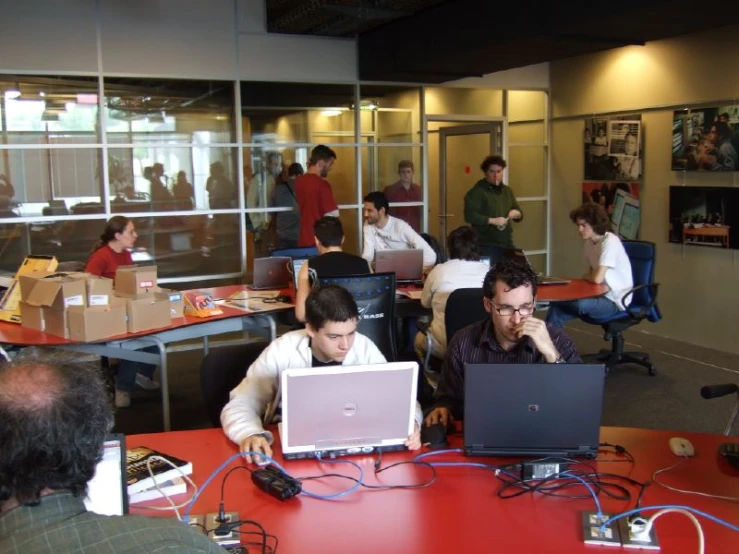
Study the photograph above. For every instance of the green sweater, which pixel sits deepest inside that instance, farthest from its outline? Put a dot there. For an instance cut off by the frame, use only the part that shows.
(485, 200)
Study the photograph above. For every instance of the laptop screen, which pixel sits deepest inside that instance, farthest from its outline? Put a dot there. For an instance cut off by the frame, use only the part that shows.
(406, 264)
(107, 491)
(297, 264)
(533, 409)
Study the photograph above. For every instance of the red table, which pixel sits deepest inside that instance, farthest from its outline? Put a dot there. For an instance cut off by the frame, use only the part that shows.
(185, 328)
(460, 512)
(576, 289)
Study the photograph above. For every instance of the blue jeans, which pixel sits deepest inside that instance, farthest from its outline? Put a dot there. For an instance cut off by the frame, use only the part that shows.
(562, 312)
(127, 370)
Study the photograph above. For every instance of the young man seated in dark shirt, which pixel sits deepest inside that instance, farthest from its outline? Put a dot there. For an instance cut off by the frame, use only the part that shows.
(331, 262)
(511, 335)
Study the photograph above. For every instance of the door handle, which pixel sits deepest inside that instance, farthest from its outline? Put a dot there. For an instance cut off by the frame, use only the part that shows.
(445, 215)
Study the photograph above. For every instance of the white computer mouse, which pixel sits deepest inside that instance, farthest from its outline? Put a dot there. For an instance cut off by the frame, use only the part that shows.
(682, 447)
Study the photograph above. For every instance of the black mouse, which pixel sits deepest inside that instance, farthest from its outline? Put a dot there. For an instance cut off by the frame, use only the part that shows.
(434, 436)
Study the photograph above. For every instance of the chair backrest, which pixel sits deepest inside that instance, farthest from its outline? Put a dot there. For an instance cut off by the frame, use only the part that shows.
(642, 255)
(375, 297)
(463, 307)
(221, 371)
(306, 252)
(436, 247)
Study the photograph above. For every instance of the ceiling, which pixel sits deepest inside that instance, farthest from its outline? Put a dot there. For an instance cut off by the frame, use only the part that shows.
(433, 41)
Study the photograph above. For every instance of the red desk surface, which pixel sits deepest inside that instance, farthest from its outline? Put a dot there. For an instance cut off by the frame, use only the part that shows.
(13, 333)
(576, 289)
(460, 512)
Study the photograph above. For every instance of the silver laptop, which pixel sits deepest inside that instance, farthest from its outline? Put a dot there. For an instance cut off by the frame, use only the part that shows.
(533, 409)
(271, 273)
(107, 491)
(344, 410)
(406, 264)
(297, 265)
(520, 255)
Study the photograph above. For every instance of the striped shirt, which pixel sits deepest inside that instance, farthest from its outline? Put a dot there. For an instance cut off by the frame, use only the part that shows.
(476, 344)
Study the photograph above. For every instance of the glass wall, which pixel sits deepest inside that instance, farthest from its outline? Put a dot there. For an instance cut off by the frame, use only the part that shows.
(197, 164)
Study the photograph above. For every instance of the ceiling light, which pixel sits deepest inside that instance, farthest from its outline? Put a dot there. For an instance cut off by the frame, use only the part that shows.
(330, 113)
(83, 98)
(41, 93)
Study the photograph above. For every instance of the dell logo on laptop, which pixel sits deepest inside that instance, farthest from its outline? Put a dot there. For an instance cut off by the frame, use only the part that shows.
(533, 407)
(350, 409)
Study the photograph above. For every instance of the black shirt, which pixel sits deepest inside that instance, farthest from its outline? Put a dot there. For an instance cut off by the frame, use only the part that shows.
(338, 264)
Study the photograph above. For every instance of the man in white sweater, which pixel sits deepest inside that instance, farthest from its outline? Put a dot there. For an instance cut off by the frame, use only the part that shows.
(330, 338)
(385, 232)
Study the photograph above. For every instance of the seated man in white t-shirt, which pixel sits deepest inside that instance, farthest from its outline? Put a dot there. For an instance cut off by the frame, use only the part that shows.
(385, 232)
(463, 270)
(607, 263)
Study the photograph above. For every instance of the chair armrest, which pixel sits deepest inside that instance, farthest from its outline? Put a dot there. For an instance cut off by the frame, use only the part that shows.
(642, 312)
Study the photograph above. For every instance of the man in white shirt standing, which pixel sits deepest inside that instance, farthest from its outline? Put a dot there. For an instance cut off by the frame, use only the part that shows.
(330, 338)
(382, 231)
(607, 263)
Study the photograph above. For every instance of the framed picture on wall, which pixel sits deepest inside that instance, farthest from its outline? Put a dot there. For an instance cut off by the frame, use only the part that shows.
(613, 148)
(706, 139)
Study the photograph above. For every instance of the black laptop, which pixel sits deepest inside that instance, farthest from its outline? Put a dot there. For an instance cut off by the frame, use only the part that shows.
(533, 409)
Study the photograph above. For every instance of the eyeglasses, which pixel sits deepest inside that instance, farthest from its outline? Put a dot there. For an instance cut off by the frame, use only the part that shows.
(507, 311)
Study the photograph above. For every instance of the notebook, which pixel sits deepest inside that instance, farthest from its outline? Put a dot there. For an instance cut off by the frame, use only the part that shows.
(520, 255)
(533, 409)
(107, 492)
(406, 264)
(271, 273)
(297, 264)
(344, 410)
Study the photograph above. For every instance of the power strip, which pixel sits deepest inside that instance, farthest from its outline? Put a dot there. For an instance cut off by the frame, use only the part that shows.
(633, 539)
(212, 524)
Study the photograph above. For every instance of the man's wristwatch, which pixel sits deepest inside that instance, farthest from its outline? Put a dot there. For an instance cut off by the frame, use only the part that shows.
(560, 360)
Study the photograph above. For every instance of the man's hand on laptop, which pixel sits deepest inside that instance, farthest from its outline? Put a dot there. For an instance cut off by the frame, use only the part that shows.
(537, 330)
(414, 441)
(438, 415)
(256, 443)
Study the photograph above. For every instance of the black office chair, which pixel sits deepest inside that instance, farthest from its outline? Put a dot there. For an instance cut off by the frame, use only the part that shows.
(643, 306)
(463, 307)
(375, 297)
(221, 371)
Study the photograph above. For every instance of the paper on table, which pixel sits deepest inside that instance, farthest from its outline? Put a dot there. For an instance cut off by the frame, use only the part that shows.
(248, 294)
(412, 294)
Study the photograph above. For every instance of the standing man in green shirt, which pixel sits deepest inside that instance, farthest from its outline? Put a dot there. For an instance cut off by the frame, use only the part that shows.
(490, 207)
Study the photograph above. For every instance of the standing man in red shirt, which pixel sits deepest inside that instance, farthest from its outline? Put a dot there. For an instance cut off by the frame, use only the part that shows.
(405, 190)
(314, 193)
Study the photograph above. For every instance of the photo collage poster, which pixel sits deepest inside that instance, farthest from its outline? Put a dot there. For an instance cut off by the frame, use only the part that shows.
(621, 202)
(613, 148)
(706, 139)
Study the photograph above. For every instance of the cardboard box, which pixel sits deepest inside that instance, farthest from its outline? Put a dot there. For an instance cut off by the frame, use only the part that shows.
(55, 322)
(93, 323)
(28, 281)
(132, 281)
(58, 292)
(10, 309)
(151, 312)
(176, 302)
(99, 289)
(32, 316)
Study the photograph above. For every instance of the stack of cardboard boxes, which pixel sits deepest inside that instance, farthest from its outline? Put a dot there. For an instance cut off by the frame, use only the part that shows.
(85, 308)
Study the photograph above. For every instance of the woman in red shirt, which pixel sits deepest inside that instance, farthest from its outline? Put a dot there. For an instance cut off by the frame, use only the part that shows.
(113, 251)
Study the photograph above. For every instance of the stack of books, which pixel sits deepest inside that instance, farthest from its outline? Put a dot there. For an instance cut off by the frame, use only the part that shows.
(141, 482)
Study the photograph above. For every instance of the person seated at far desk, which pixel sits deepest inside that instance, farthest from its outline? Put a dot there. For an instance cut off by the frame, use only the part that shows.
(385, 232)
(332, 261)
(511, 335)
(111, 252)
(463, 270)
(330, 338)
(54, 417)
(607, 263)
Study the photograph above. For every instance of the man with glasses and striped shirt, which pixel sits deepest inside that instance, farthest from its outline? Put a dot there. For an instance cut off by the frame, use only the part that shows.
(511, 335)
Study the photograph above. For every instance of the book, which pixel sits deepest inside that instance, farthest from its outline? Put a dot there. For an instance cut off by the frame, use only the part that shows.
(199, 303)
(170, 488)
(138, 475)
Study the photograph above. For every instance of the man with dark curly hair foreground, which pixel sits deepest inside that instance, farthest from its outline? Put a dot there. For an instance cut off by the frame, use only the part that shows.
(54, 416)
